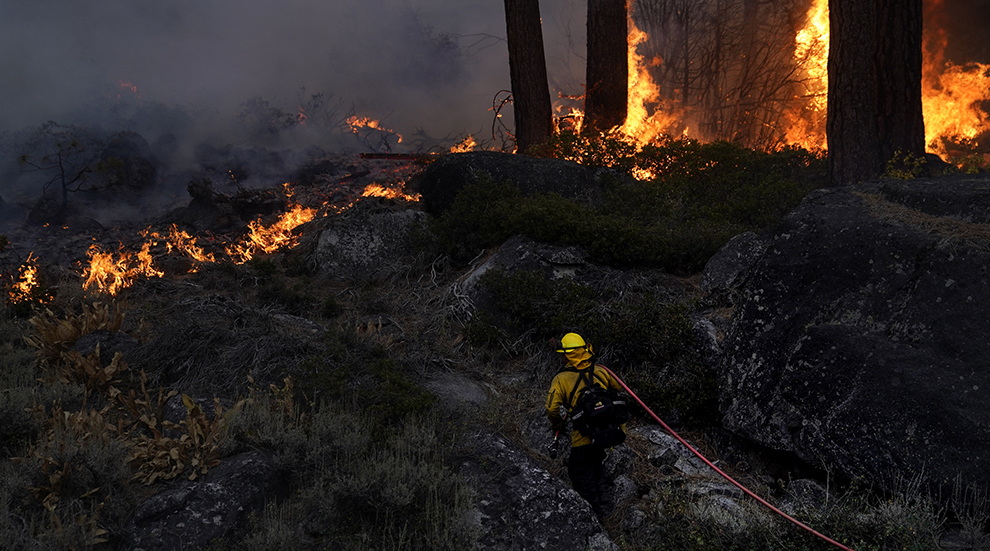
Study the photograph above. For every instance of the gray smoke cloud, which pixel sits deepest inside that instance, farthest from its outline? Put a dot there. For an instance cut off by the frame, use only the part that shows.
(217, 88)
(426, 64)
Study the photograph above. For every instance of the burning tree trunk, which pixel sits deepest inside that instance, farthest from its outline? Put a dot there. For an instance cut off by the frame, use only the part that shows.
(874, 86)
(605, 101)
(528, 73)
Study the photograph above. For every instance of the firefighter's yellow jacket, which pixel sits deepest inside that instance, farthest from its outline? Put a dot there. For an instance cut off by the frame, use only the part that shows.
(564, 394)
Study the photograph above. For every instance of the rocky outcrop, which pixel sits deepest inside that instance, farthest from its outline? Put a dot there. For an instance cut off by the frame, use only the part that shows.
(441, 181)
(859, 336)
(193, 514)
(521, 254)
(363, 245)
(522, 506)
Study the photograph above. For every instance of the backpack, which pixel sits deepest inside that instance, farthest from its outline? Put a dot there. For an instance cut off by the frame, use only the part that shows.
(599, 412)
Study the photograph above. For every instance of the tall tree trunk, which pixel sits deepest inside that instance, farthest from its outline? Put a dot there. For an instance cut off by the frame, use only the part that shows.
(874, 86)
(528, 73)
(606, 96)
(899, 68)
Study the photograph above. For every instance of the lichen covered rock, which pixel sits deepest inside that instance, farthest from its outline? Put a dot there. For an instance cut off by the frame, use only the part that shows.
(860, 334)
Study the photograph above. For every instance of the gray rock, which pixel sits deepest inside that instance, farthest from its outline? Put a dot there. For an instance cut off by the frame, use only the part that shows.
(365, 245)
(522, 506)
(192, 514)
(860, 336)
(804, 495)
(522, 254)
(725, 512)
(109, 342)
(456, 391)
(726, 270)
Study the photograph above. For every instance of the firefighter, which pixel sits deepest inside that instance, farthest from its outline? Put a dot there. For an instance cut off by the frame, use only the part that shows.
(585, 465)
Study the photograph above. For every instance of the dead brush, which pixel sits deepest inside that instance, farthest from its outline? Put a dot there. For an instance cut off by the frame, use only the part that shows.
(67, 434)
(66, 454)
(54, 336)
(161, 456)
(89, 370)
(948, 229)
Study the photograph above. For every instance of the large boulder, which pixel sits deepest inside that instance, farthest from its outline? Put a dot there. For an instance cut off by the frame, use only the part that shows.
(522, 506)
(363, 244)
(444, 178)
(859, 338)
(194, 514)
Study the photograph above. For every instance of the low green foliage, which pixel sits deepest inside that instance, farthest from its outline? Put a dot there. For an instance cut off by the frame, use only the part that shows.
(356, 368)
(967, 164)
(649, 336)
(905, 166)
(853, 517)
(700, 196)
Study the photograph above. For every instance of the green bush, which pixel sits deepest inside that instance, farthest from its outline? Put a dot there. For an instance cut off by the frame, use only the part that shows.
(360, 485)
(650, 337)
(701, 196)
(852, 516)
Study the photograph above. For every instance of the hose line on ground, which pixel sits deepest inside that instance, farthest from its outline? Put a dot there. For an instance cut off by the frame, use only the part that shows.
(745, 490)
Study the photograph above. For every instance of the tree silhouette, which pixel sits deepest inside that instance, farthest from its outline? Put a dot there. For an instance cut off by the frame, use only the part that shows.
(606, 93)
(874, 87)
(528, 73)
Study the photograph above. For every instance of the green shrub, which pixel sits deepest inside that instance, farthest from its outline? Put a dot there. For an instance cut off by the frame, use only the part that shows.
(853, 517)
(701, 196)
(649, 337)
(361, 485)
(402, 494)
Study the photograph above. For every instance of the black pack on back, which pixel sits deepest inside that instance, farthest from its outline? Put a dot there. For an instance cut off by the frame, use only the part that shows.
(598, 414)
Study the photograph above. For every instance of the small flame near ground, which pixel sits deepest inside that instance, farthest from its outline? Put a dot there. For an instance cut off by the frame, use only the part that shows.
(465, 145)
(26, 285)
(269, 239)
(112, 271)
(364, 124)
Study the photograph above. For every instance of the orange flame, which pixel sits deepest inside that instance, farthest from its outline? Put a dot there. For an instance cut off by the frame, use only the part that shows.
(951, 93)
(111, 275)
(641, 125)
(358, 123)
(181, 241)
(465, 145)
(806, 122)
(954, 96)
(26, 283)
(272, 238)
(378, 190)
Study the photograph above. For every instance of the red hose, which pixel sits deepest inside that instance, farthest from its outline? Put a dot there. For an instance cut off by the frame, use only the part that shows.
(719, 471)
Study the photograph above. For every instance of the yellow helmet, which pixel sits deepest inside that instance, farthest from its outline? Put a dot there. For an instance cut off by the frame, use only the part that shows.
(571, 341)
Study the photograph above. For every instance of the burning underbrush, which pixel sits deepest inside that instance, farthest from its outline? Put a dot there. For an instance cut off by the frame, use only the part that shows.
(214, 228)
(212, 355)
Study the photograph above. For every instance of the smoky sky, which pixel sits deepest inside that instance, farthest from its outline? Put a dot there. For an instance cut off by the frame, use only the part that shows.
(428, 64)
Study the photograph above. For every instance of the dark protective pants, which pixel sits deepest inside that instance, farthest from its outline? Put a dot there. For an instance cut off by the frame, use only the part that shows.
(585, 469)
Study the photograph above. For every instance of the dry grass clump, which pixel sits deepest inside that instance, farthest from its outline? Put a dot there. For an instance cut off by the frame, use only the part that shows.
(92, 436)
(950, 229)
(54, 335)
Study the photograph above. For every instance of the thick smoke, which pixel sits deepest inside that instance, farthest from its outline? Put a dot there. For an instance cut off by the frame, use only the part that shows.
(424, 64)
(198, 80)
